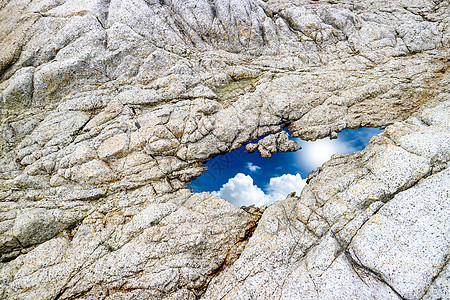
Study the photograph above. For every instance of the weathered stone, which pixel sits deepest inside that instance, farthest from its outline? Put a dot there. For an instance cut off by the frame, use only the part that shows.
(375, 232)
(109, 108)
(273, 143)
(140, 246)
(440, 286)
(114, 146)
(406, 246)
(38, 225)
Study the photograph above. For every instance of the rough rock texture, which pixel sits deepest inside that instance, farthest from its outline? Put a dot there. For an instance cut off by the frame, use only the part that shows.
(273, 143)
(110, 107)
(369, 225)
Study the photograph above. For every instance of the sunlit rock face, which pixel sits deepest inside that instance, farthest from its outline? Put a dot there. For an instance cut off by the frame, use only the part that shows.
(109, 109)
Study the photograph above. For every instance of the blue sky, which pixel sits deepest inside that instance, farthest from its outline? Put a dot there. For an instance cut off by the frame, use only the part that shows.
(247, 178)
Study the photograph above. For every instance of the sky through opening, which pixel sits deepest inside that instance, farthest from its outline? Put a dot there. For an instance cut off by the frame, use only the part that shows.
(247, 178)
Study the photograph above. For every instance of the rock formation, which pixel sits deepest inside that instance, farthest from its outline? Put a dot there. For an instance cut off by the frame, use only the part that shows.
(273, 143)
(109, 109)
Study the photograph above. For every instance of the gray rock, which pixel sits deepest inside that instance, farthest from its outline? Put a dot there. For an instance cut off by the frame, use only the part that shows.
(109, 109)
(273, 143)
(369, 225)
(406, 242)
(170, 247)
(440, 286)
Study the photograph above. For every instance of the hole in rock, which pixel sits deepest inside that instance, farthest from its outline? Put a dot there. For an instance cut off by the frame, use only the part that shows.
(246, 179)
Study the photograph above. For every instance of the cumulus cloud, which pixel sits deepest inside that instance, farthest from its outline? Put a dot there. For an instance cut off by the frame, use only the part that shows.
(241, 191)
(279, 187)
(252, 168)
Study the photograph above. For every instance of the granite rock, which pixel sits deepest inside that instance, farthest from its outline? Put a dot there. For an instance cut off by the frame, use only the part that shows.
(369, 225)
(108, 109)
(273, 143)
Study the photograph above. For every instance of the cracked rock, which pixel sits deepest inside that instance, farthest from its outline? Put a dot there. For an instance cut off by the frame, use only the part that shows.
(370, 225)
(108, 109)
(273, 143)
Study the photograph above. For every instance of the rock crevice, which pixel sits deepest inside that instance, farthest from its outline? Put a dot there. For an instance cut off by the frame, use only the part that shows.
(109, 108)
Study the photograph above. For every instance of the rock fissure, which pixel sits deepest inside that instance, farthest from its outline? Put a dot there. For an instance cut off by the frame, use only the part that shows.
(376, 275)
(107, 112)
(436, 276)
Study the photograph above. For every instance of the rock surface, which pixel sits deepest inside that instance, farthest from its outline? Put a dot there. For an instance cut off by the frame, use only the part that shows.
(109, 109)
(273, 143)
(370, 225)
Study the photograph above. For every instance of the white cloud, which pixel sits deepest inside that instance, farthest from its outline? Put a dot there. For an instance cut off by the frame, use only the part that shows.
(314, 154)
(241, 191)
(252, 168)
(279, 187)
